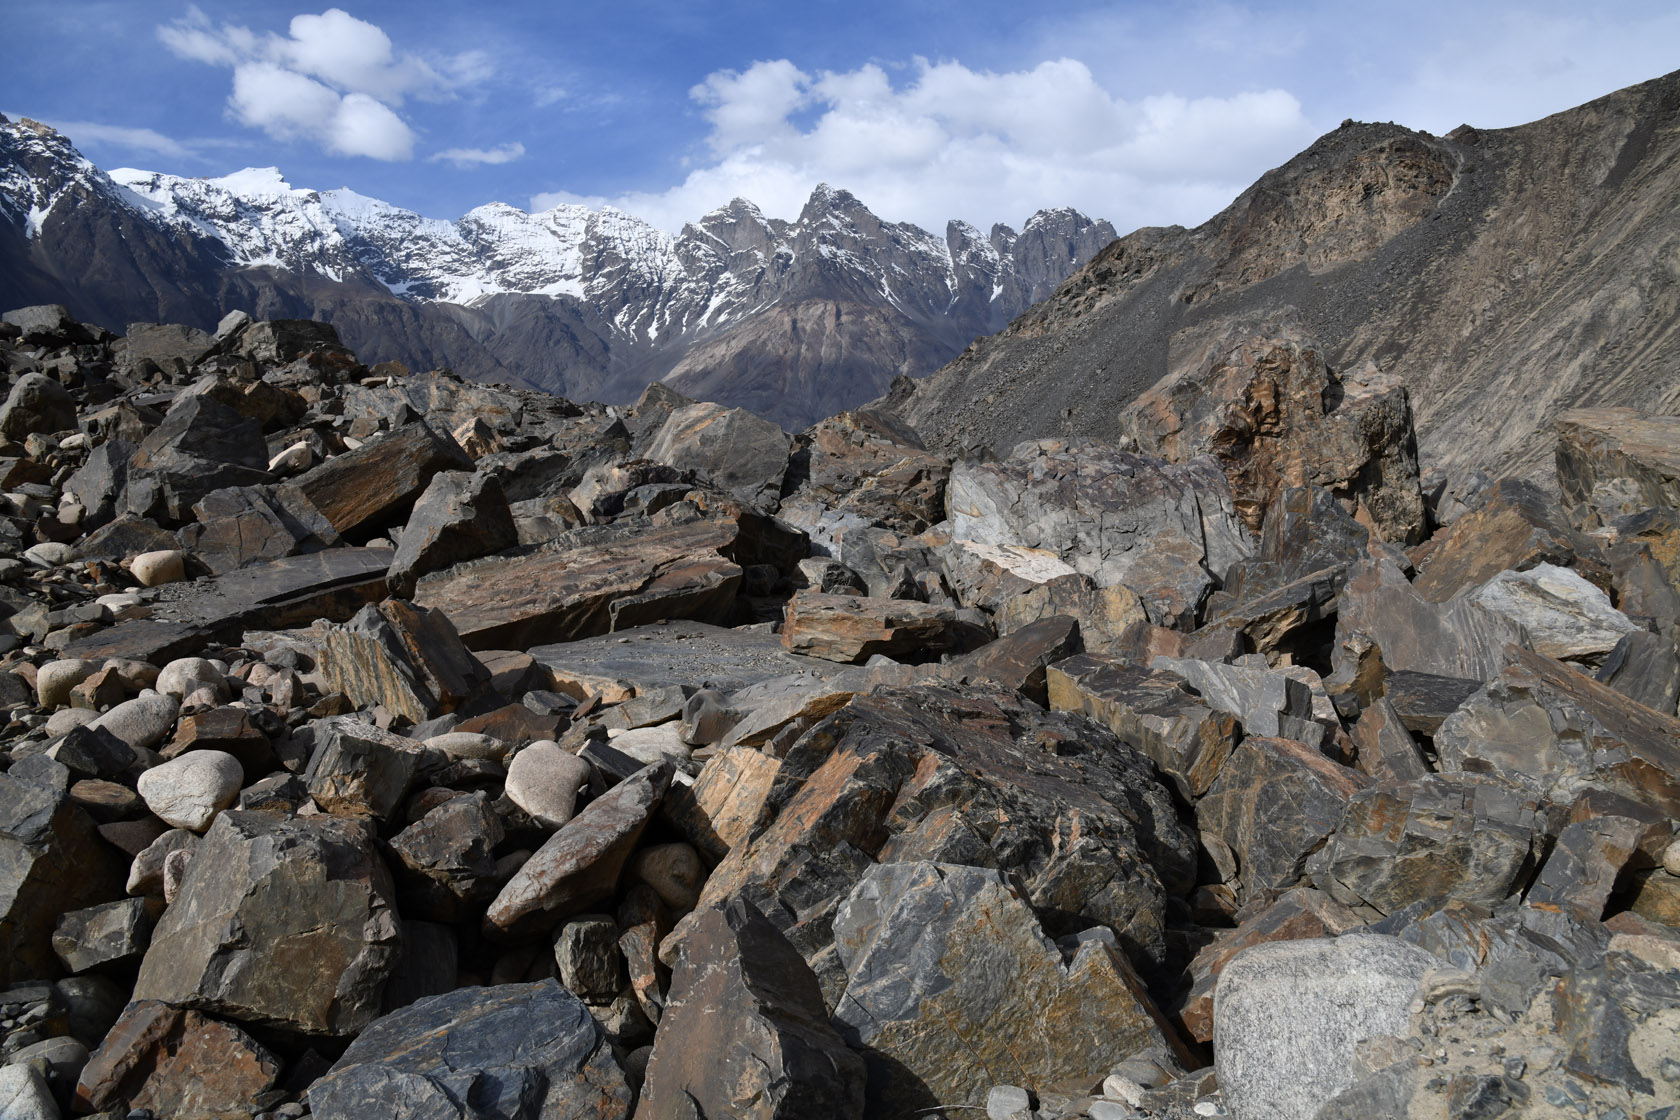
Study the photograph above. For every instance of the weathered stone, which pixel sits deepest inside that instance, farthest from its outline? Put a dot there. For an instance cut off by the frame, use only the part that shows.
(1584, 864)
(1645, 668)
(980, 776)
(1423, 701)
(1289, 1015)
(37, 403)
(587, 954)
(1558, 731)
(870, 464)
(580, 864)
(645, 923)
(675, 873)
(446, 859)
(1385, 744)
(188, 792)
(1104, 614)
(25, 1094)
(1274, 802)
(651, 744)
(409, 659)
(1273, 415)
(543, 779)
(360, 770)
(177, 1063)
(1596, 445)
(629, 577)
(1466, 836)
(1279, 622)
(113, 933)
(51, 860)
(1165, 531)
(772, 710)
(460, 516)
(145, 874)
(1566, 617)
(92, 752)
(1456, 638)
(1266, 702)
(722, 807)
(286, 922)
(854, 628)
(154, 569)
(227, 729)
(1154, 710)
(745, 1032)
(521, 1051)
(1020, 659)
(1513, 527)
(55, 679)
(1610, 1015)
(245, 525)
(741, 453)
(1297, 915)
(952, 985)
(376, 485)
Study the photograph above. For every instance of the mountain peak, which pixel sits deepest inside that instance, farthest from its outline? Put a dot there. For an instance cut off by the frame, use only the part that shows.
(260, 181)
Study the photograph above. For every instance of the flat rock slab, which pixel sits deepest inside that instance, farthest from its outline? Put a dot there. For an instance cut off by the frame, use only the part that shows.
(1598, 444)
(286, 922)
(294, 591)
(1288, 1016)
(514, 1051)
(1454, 638)
(625, 580)
(952, 986)
(1424, 700)
(854, 628)
(745, 1031)
(682, 652)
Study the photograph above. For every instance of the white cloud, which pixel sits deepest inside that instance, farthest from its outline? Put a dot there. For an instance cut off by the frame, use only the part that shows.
(333, 80)
(137, 139)
(468, 157)
(952, 142)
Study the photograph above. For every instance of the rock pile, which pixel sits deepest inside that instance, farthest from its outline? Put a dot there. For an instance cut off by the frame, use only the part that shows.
(381, 744)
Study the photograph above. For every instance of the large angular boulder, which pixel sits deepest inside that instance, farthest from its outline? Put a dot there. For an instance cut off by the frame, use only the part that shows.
(1166, 531)
(870, 464)
(37, 403)
(51, 860)
(176, 1063)
(361, 770)
(514, 1051)
(460, 516)
(1557, 731)
(1514, 526)
(1289, 1015)
(408, 658)
(1600, 445)
(952, 986)
(1273, 415)
(741, 453)
(1566, 617)
(1456, 638)
(980, 777)
(288, 922)
(613, 578)
(244, 525)
(375, 486)
(745, 1032)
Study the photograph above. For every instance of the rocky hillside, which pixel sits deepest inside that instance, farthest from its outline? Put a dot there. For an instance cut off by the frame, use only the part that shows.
(383, 744)
(1502, 275)
(795, 320)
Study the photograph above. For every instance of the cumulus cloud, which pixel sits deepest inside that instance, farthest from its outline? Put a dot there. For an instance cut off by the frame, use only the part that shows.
(332, 80)
(470, 157)
(949, 141)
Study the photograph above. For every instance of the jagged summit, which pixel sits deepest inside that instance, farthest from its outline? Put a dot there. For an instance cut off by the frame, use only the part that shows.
(589, 302)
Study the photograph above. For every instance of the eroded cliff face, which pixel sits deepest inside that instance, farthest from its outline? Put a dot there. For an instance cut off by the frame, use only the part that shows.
(1503, 276)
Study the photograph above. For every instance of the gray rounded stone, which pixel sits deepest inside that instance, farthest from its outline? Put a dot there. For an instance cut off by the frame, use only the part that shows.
(24, 1095)
(675, 873)
(1671, 859)
(189, 791)
(142, 721)
(543, 779)
(187, 674)
(55, 679)
(1288, 1015)
(467, 744)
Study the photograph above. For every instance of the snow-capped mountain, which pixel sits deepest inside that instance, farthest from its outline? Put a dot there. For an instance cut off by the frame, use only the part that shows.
(579, 301)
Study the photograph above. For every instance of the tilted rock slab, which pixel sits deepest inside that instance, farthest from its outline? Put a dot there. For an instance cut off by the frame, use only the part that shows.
(408, 658)
(1599, 444)
(514, 1051)
(376, 484)
(745, 1032)
(288, 922)
(176, 1063)
(952, 987)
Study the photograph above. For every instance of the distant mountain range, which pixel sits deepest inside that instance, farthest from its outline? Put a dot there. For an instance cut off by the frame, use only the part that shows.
(794, 320)
(1503, 275)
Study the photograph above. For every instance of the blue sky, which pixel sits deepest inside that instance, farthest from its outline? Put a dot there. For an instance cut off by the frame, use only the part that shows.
(1140, 113)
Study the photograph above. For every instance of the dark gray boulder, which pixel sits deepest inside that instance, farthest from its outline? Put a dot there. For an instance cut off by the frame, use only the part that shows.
(460, 516)
(37, 403)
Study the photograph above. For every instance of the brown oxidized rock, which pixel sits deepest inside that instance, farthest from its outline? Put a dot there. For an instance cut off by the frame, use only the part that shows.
(1273, 416)
(1514, 526)
(1456, 638)
(375, 485)
(176, 1063)
(1153, 709)
(1558, 731)
(408, 658)
(723, 805)
(854, 628)
(514, 1050)
(952, 986)
(286, 922)
(1104, 614)
(872, 464)
(1596, 445)
(744, 454)
(626, 577)
(1020, 659)
(981, 777)
(580, 864)
(745, 1032)
(360, 770)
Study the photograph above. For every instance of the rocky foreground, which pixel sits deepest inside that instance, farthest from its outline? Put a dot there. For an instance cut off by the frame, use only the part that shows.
(382, 744)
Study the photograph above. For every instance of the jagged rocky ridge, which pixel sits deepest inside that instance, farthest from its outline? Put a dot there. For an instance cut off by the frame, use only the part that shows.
(386, 744)
(1503, 275)
(795, 320)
